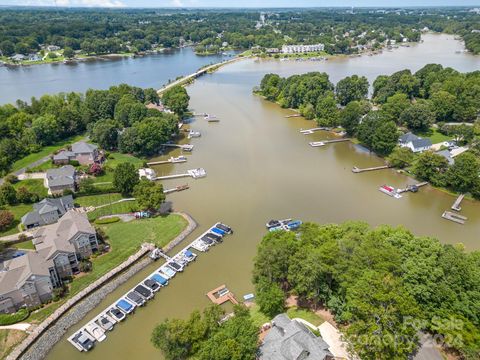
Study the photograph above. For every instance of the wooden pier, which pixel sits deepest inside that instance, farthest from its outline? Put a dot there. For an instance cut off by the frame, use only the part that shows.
(169, 161)
(311, 131)
(412, 187)
(194, 173)
(325, 142)
(293, 116)
(459, 219)
(176, 189)
(221, 295)
(358, 170)
(456, 205)
(186, 147)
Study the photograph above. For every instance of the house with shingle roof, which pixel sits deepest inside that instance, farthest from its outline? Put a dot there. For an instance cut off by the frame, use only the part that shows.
(81, 151)
(47, 211)
(291, 340)
(26, 281)
(58, 180)
(414, 143)
(67, 242)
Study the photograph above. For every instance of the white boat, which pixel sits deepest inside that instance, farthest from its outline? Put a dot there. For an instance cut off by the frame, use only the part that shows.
(390, 191)
(178, 159)
(194, 134)
(197, 173)
(82, 340)
(211, 118)
(105, 323)
(96, 331)
(316, 143)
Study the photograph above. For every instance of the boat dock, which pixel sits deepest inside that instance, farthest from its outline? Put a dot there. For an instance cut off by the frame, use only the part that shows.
(185, 147)
(311, 131)
(176, 189)
(325, 142)
(194, 173)
(221, 295)
(357, 170)
(172, 160)
(84, 340)
(293, 116)
(413, 187)
(459, 219)
(456, 204)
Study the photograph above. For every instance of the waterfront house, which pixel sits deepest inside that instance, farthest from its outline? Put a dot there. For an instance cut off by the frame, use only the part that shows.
(18, 57)
(26, 281)
(67, 242)
(84, 153)
(447, 155)
(292, 340)
(296, 49)
(58, 180)
(414, 142)
(53, 48)
(47, 211)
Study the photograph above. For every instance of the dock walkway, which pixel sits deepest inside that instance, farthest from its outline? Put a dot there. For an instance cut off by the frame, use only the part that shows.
(412, 187)
(221, 295)
(358, 170)
(456, 205)
(459, 219)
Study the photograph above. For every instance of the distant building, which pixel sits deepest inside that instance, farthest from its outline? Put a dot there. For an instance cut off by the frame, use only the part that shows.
(272, 50)
(26, 281)
(414, 143)
(58, 180)
(66, 242)
(34, 57)
(294, 49)
(447, 155)
(292, 340)
(18, 57)
(47, 211)
(53, 48)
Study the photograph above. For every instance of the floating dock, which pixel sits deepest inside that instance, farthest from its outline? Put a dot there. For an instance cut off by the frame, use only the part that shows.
(176, 189)
(185, 147)
(325, 142)
(221, 295)
(459, 219)
(172, 160)
(193, 173)
(181, 260)
(357, 170)
(293, 116)
(311, 131)
(456, 205)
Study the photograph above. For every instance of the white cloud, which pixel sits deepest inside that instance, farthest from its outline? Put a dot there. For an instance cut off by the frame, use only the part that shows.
(86, 3)
(177, 3)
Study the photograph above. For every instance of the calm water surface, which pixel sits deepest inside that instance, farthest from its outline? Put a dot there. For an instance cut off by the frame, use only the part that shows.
(260, 167)
(23, 82)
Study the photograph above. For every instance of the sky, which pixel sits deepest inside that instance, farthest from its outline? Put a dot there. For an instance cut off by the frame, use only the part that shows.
(240, 3)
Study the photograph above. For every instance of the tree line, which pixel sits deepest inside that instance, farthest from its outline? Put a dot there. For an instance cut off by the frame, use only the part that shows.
(116, 118)
(101, 31)
(384, 285)
(432, 96)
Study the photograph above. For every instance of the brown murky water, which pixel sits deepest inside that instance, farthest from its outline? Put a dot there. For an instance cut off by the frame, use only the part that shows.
(260, 167)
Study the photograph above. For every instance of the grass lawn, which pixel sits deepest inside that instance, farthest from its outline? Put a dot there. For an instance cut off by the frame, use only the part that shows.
(26, 245)
(435, 136)
(97, 200)
(34, 186)
(18, 211)
(47, 150)
(124, 239)
(258, 317)
(119, 208)
(113, 160)
(305, 314)
(43, 167)
(8, 339)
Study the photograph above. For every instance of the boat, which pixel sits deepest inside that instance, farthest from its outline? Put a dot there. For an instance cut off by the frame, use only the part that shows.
(152, 285)
(390, 191)
(105, 323)
(248, 297)
(293, 225)
(277, 223)
(316, 143)
(116, 314)
(276, 228)
(135, 298)
(82, 341)
(200, 245)
(194, 134)
(177, 159)
(207, 240)
(167, 271)
(155, 254)
(159, 279)
(225, 228)
(197, 173)
(125, 306)
(190, 255)
(217, 231)
(143, 291)
(175, 266)
(216, 238)
(211, 118)
(96, 331)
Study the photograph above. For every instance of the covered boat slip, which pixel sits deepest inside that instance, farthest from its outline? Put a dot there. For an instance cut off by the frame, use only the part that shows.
(84, 340)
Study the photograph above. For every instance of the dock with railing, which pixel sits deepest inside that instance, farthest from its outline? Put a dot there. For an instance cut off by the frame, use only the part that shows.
(457, 218)
(456, 205)
(357, 170)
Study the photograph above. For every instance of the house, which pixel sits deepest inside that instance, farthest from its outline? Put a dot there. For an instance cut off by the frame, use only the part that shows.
(53, 48)
(34, 57)
(18, 57)
(85, 153)
(26, 281)
(292, 340)
(47, 211)
(66, 242)
(293, 49)
(58, 180)
(414, 143)
(447, 155)
(81, 151)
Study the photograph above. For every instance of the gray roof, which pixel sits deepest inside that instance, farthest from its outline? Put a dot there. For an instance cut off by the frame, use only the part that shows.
(446, 154)
(18, 270)
(64, 176)
(292, 340)
(64, 155)
(56, 237)
(421, 143)
(61, 205)
(82, 147)
(406, 138)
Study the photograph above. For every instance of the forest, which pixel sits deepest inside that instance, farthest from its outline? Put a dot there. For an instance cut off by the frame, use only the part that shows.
(384, 285)
(432, 100)
(116, 118)
(107, 31)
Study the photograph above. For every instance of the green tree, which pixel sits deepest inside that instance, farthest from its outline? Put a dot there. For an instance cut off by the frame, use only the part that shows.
(68, 53)
(352, 88)
(8, 195)
(431, 167)
(385, 138)
(350, 117)
(463, 175)
(105, 134)
(6, 219)
(419, 116)
(270, 298)
(395, 106)
(401, 157)
(327, 111)
(177, 100)
(443, 104)
(125, 177)
(366, 130)
(46, 129)
(149, 195)
(7, 48)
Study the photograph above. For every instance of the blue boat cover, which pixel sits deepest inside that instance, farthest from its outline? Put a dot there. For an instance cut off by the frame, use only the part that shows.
(159, 279)
(188, 253)
(218, 231)
(124, 305)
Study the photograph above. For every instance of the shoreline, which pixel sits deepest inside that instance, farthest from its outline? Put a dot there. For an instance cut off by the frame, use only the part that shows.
(45, 335)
